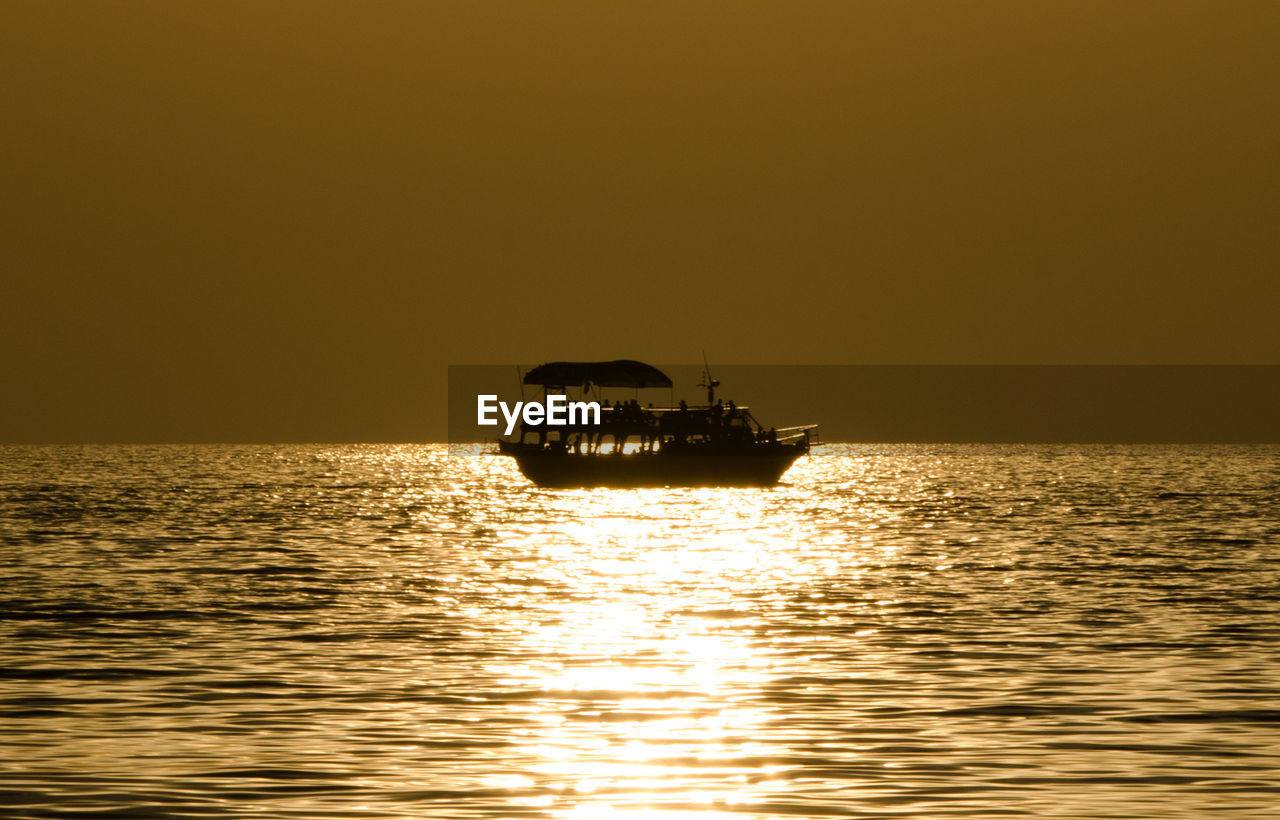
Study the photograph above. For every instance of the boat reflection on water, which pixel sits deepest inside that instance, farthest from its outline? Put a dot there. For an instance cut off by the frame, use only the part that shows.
(718, 444)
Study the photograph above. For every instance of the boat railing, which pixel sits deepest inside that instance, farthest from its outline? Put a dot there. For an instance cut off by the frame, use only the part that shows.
(803, 432)
(651, 425)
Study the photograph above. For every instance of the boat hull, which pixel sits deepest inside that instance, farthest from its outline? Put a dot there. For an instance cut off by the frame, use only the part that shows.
(761, 468)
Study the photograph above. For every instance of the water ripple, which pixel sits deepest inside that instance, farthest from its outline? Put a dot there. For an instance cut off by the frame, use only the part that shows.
(391, 631)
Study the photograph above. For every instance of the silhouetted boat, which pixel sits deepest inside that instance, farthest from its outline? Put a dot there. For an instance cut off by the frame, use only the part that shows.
(711, 445)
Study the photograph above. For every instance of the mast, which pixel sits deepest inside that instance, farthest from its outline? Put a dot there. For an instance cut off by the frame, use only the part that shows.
(708, 382)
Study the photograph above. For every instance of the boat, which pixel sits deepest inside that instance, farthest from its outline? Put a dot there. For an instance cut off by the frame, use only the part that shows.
(718, 444)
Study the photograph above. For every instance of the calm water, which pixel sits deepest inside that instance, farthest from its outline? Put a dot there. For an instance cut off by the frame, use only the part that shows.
(377, 631)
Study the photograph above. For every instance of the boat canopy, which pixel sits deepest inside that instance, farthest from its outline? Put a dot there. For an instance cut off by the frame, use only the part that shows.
(620, 373)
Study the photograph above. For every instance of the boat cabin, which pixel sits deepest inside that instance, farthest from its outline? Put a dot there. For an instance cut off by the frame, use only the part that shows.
(628, 426)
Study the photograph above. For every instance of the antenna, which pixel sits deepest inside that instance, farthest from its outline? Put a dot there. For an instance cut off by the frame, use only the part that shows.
(708, 382)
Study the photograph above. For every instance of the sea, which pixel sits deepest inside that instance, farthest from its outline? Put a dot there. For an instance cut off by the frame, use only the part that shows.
(415, 631)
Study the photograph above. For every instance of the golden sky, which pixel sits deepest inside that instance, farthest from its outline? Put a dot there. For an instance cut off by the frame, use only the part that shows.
(222, 215)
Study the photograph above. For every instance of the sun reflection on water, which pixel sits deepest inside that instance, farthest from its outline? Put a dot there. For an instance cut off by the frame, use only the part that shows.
(649, 667)
(659, 632)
